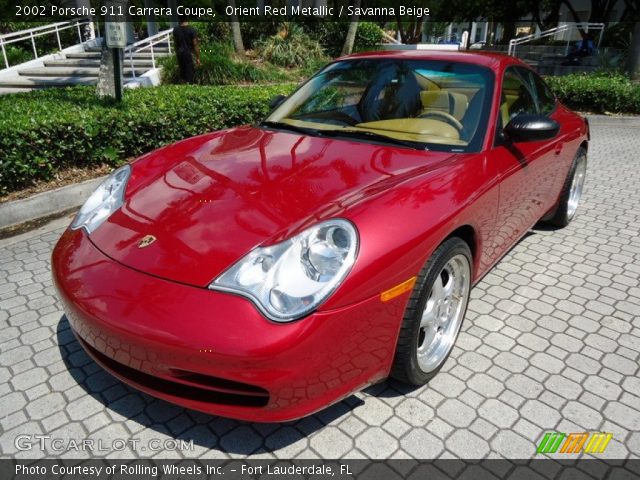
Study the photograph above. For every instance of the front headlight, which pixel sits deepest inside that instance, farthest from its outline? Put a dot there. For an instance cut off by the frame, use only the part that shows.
(290, 279)
(105, 200)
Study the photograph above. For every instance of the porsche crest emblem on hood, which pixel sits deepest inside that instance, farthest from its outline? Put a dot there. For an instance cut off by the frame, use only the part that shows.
(146, 241)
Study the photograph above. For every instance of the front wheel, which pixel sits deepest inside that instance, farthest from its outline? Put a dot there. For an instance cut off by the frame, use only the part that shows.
(571, 192)
(434, 314)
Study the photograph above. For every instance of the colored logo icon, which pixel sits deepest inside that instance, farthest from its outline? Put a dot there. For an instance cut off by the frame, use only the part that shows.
(146, 241)
(574, 443)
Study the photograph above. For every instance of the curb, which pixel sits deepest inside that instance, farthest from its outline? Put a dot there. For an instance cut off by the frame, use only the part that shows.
(46, 203)
(624, 121)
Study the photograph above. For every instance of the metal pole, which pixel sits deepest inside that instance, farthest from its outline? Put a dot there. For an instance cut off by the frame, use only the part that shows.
(58, 37)
(133, 67)
(153, 58)
(117, 72)
(168, 37)
(79, 33)
(33, 44)
(4, 52)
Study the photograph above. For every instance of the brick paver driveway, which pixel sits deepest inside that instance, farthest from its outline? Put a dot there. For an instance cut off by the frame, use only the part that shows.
(551, 342)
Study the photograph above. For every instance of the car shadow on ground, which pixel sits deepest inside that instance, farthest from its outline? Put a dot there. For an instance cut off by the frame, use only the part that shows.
(208, 431)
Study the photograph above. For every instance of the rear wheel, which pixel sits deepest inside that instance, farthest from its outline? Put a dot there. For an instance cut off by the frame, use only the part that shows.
(434, 314)
(571, 192)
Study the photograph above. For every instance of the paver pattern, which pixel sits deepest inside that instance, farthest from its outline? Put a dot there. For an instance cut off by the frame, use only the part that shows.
(551, 342)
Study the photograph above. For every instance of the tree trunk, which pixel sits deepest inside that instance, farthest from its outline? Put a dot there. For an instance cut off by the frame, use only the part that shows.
(634, 53)
(238, 45)
(347, 48)
(508, 32)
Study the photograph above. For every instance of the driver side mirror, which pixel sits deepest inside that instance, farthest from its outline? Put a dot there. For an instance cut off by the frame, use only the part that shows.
(277, 100)
(531, 128)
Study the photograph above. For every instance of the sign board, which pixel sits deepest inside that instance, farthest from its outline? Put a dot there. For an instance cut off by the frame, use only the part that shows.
(116, 34)
(115, 27)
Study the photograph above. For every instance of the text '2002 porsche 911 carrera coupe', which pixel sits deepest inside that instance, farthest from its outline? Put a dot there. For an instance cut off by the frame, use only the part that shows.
(267, 271)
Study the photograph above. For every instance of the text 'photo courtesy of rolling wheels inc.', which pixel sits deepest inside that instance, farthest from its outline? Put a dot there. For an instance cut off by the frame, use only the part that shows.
(328, 239)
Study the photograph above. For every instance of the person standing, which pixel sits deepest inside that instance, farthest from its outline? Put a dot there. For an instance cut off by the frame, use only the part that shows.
(187, 45)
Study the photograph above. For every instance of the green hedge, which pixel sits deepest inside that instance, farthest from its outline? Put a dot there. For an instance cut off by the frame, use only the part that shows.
(46, 131)
(598, 93)
(219, 67)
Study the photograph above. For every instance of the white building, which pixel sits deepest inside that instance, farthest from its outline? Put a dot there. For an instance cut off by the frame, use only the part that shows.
(479, 31)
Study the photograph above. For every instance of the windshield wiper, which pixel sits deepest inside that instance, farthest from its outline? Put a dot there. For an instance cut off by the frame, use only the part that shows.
(366, 135)
(287, 126)
(362, 134)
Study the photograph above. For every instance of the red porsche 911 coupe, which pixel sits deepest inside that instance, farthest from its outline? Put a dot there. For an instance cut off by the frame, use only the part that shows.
(264, 272)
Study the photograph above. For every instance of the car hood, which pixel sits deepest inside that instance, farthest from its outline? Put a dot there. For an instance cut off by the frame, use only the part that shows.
(211, 199)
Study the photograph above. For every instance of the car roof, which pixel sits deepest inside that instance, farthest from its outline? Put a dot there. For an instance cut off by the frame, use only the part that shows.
(487, 59)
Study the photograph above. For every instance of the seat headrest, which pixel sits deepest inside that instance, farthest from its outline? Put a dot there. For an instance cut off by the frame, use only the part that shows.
(435, 99)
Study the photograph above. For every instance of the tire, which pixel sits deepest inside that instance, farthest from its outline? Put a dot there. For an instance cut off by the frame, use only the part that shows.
(571, 192)
(427, 312)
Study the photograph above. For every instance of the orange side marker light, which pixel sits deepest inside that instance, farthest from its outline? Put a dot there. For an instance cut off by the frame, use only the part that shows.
(398, 290)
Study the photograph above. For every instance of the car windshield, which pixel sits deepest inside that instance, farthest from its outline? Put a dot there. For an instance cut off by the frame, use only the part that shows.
(436, 105)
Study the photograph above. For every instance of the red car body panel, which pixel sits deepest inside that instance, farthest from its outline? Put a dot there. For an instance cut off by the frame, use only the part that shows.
(303, 366)
(231, 191)
(147, 316)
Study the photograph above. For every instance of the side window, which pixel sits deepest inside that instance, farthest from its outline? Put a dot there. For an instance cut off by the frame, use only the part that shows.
(516, 97)
(546, 99)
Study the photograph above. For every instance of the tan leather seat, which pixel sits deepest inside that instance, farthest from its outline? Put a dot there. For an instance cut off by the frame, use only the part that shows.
(453, 103)
(505, 109)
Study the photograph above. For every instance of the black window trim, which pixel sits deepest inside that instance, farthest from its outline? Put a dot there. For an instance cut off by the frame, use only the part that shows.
(534, 96)
(533, 89)
(555, 99)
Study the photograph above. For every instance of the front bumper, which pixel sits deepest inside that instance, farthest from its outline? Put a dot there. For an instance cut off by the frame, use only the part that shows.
(212, 351)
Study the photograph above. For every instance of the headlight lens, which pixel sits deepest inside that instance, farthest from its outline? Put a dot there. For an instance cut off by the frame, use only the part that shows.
(290, 279)
(105, 200)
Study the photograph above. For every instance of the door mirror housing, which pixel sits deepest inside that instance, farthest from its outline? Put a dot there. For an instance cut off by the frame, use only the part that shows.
(531, 128)
(277, 100)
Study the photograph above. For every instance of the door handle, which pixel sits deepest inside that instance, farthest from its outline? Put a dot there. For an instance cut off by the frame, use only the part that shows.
(558, 148)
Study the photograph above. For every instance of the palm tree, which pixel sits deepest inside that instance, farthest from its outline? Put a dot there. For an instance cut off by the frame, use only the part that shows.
(351, 33)
(235, 30)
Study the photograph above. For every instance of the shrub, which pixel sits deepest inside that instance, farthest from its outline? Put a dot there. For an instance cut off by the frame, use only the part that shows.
(212, 32)
(368, 37)
(220, 67)
(618, 35)
(254, 32)
(290, 47)
(331, 35)
(313, 67)
(597, 93)
(42, 132)
(17, 55)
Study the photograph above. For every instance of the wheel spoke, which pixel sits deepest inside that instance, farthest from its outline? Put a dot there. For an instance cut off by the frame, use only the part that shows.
(437, 291)
(427, 344)
(443, 312)
(428, 319)
(448, 289)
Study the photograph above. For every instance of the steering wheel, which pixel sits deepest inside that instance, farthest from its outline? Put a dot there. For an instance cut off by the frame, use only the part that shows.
(446, 117)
